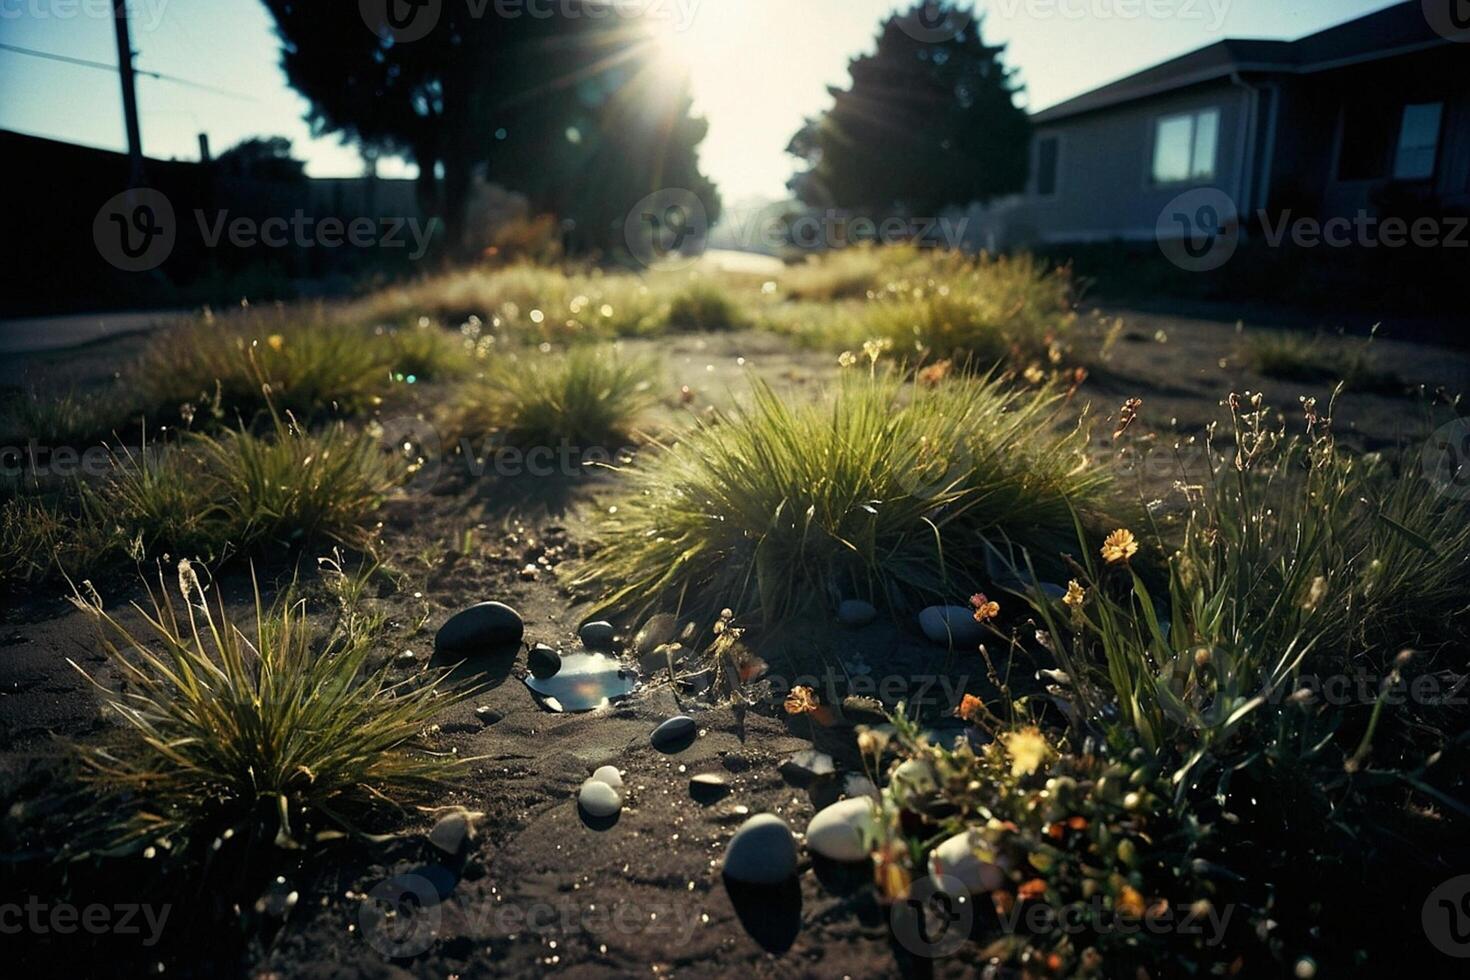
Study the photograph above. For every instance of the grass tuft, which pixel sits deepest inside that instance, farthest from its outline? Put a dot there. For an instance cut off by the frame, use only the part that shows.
(882, 490)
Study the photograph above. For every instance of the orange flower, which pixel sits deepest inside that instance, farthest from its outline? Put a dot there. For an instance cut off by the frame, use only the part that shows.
(936, 372)
(1032, 890)
(985, 609)
(802, 701)
(970, 707)
(1119, 546)
(1130, 902)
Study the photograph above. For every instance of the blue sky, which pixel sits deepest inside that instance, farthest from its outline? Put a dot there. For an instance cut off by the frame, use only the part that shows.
(759, 66)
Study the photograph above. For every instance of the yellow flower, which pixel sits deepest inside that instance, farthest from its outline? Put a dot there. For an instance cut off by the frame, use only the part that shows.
(846, 359)
(875, 348)
(1121, 545)
(1076, 594)
(1027, 748)
(985, 608)
(801, 701)
(276, 341)
(1033, 374)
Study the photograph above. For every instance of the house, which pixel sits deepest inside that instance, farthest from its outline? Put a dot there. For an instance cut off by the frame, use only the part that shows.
(1371, 117)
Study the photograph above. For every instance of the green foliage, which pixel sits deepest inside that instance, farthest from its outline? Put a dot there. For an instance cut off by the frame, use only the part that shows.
(587, 397)
(879, 490)
(266, 726)
(1296, 357)
(704, 306)
(927, 123)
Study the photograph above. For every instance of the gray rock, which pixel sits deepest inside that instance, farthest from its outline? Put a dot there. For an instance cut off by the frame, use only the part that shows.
(843, 831)
(860, 710)
(405, 659)
(610, 775)
(597, 635)
(543, 661)
(599, 799)
(807, 765)
(856, 612)
(674, 732)
(655, 632)
(956, 865)
(762, 852)
(487, 627)
(451, 831)
(488, 714)
(948, 625)
(708, 786)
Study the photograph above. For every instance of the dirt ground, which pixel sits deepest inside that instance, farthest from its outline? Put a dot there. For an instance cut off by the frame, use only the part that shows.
(540, 888)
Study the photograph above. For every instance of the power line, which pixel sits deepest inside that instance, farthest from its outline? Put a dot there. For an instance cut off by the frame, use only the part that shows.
(160, 76)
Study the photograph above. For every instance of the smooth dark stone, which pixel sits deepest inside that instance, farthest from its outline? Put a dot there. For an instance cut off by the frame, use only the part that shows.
(487, 627)
(543, 661)
(674, 734)
(597, 635)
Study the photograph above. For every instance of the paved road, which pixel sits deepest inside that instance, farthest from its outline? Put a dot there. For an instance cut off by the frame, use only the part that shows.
(33, 335)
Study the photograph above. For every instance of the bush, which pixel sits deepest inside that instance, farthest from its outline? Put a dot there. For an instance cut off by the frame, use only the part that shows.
(1296, 357)
(881, 491)
(706, 307)
(587, 397)
(260, 726)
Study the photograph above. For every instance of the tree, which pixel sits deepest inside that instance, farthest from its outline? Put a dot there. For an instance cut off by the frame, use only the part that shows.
(929, 121)
(474, 88)
(264, 157)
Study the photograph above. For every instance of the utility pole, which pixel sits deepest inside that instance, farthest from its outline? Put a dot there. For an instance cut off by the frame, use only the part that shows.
(129, 92)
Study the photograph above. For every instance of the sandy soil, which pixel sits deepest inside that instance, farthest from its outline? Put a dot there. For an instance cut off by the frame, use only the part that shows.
(540, 888)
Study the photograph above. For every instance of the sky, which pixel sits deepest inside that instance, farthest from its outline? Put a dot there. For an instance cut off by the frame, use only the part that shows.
(758, 67)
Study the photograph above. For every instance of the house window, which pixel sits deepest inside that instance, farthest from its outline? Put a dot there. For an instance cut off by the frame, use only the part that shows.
(1185, 145)
(1418, 141)
(1046, 166)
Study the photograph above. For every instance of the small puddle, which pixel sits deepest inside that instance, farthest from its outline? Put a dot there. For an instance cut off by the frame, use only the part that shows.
(585, 682)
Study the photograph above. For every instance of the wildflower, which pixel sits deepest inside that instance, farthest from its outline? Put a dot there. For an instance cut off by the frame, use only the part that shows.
(1130, 902)
(871, 742)
(846, 359)
(1126, 415)
(970, 708)
(1027, 749)
(936, 372)
(875, 348)
(1033, 374)
(1032, 890)
(1076, 595)
(1315, 594)
(1121, 545)
(276, 341)
(801, 701)
(985, 608)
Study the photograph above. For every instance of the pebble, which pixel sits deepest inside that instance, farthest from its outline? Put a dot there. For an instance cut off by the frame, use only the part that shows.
(599, 799)
(597, 635)
(762, 852)
(915, 777)
(948, 625)
(843, 831)
(955, 859)
(857, 785)
(804, 766)
(488, 714)
(708, 786)
(486, 627)
(677, 729)
(610, 775)
(543, 661)
(658, 630)
(856, 612)
(450, 832)
(405, 659)
(863, 711)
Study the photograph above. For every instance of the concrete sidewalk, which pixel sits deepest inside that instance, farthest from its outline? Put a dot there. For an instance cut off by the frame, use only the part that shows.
(32, 335)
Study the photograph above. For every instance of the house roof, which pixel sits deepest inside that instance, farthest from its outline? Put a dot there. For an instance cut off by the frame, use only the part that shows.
(1384, 33)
